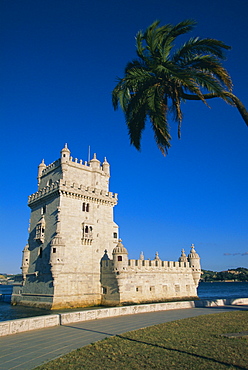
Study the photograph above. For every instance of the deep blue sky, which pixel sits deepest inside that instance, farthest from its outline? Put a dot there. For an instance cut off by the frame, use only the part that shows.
(59, 63)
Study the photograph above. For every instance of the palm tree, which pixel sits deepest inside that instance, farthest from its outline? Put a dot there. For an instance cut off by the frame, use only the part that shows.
(158, 81)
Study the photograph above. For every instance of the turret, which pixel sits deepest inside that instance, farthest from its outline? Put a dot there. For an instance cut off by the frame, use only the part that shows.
(194, 261)
(105, 167)
(120, 257)
(25, 261)
(64, 157)
(41, 167)
(157, 257)
(183, 257)
(141, 257)
(57, 254)
(94, 163)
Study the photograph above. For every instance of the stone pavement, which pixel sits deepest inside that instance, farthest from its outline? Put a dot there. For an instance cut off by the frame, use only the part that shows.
(24, 351)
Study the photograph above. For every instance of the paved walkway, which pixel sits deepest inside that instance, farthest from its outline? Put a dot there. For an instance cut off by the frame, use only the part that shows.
(25, 351)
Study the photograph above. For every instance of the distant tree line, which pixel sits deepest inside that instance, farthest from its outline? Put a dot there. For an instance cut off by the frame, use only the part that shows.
(238, 274)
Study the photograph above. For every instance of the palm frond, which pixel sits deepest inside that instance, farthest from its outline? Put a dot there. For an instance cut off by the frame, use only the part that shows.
(156, 83)
(196, 46)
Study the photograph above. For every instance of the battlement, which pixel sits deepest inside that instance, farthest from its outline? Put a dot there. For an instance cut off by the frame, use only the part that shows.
(157, 263)
(51, 167)
(75, 162)
(139, 265)
(73, 189)
(84, 165)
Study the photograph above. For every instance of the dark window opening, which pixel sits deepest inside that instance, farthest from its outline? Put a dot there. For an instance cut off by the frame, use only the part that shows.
(119, 258)
(85, 207)
(104, 290)
(54, 250)
(40, 252)
(115, 235)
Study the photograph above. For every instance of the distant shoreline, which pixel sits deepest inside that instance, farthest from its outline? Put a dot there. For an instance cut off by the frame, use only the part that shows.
(224, 281)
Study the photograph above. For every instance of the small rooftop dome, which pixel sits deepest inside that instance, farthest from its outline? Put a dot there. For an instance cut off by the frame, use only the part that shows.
(157, 257)
(119, 249)
(42, 164)
(193, 253)
(94, 159)
(105, 161)
(183, 257)
(65, 149)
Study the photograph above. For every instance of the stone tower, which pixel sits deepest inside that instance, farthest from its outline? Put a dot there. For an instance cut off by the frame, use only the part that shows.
(71, 225)
(194, 261)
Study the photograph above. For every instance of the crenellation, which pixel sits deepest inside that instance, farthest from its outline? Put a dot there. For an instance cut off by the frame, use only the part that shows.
(79, 190)
(158, 265)
(131, 263)
(51, 167)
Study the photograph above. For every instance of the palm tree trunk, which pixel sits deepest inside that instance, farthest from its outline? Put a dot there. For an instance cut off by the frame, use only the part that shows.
(240, 106)
(237, 102)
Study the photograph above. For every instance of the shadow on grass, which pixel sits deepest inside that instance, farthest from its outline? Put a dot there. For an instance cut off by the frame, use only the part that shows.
(163, 347)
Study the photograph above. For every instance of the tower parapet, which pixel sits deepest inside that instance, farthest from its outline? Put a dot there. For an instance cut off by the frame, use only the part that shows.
(120, 259)
(94, 163)
(41, 168)
(105, 167)
(57, 254)
(183, 257)
(194, 261)
(25, 261)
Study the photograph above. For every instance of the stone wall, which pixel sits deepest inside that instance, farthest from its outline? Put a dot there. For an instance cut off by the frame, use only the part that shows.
(146, 281)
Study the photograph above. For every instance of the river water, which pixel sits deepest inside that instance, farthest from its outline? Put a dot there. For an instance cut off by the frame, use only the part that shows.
(205, 291)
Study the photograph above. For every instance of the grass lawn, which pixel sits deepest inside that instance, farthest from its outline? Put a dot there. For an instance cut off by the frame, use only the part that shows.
(194, 343)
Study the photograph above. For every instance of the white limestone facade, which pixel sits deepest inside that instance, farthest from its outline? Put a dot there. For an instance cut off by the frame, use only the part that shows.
(128, 281)
(65, 263)
(71, 225)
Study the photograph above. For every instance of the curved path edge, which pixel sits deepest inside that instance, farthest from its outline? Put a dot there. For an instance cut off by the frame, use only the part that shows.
(26, 350)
